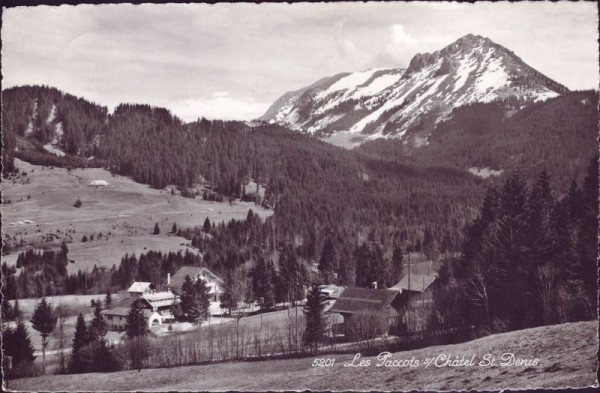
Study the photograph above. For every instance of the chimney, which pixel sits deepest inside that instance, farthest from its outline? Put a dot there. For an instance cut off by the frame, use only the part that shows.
(168, 278)
(374, 284)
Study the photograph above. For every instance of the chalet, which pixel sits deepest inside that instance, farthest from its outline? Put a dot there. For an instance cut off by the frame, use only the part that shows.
(367, 312)
(157, 308)
(139, 288)
(371, 312)
(213, 282)
(415, 298)
(116, 316)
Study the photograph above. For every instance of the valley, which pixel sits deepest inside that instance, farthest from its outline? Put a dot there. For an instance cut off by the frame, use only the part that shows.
(452, 199)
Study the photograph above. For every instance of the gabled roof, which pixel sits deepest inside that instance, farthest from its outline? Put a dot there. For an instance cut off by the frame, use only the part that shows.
(418, 283)
(160, 299)
(126, 302)
(192, 271)
(363, 301)
(118, 311)
(139, 286)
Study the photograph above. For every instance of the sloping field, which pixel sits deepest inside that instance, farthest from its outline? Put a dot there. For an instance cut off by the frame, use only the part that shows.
(120, 216)
(566, 357)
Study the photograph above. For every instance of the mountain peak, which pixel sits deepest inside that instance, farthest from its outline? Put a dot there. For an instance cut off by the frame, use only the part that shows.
(465, 44)
(407, 104)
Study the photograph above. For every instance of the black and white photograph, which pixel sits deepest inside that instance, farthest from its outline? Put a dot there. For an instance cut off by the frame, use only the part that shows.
(304, 196)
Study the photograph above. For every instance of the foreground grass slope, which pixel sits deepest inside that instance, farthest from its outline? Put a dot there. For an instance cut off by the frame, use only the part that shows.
(566, 358)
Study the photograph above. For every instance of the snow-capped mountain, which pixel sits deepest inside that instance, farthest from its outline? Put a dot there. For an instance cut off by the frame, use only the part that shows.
(350, 108)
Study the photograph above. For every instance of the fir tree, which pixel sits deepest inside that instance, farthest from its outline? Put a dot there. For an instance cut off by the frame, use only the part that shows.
(79, 362)
(315, 323)
(187, 296)
(18, 344)
(200, 305)
(135, 324)
(16, 310)
(108, 299)
(269, 287)
(328, 261)
(44, 321)
(156, 229)
(230, 297)
(207, 225)
(98, 326)
(104, 358)
(397, 263)
(8, 313)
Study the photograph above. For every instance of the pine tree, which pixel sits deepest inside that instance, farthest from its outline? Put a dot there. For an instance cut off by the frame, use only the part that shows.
(230, 297)
(104, 358)
(98, 326)
(19, 344)
(202, 299)
(269, 287)
(79, 362)
(328, 261)
(108, 299)
(397, 263)
(8, 313)
(156, 229)
(315, 323)
(186, 297)
(174, 229)
(16, 310)
(44, 321)
(207, 225)
(135, 324)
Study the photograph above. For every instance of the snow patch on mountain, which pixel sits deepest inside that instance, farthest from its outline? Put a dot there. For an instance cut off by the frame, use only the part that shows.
(348, 83)
(408, 103)
(377, 85)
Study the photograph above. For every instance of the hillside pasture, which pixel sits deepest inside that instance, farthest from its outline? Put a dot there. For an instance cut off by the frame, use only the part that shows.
(115, 219)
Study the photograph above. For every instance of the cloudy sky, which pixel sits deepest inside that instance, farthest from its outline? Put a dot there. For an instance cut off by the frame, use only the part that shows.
(232, 61)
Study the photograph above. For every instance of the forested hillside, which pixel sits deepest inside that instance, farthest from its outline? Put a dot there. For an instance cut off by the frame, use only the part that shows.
(377, 194)
(314, 188)
(558, 135)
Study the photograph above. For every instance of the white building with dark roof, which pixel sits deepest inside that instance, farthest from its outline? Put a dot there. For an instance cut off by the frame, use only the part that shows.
(139, 288)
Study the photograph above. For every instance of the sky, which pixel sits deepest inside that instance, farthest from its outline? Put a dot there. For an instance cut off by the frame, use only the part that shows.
(231, 61)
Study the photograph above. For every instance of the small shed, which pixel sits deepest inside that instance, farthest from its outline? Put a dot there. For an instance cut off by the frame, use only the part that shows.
(99, 183)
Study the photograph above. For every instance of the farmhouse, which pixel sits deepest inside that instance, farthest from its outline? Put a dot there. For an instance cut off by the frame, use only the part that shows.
(213, 282)
(157, 308)
(367, 312)
(371, 312)
(415, 298)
